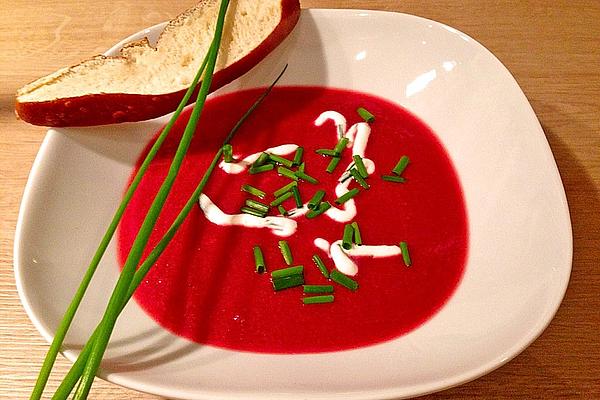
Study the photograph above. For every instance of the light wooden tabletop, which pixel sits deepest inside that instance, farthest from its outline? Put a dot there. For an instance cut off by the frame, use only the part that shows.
(552, 47)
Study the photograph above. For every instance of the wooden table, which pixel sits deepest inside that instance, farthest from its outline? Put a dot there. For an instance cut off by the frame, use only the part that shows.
(552, 47)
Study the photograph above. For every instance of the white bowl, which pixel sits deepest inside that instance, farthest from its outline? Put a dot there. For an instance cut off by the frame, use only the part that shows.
(520, 244)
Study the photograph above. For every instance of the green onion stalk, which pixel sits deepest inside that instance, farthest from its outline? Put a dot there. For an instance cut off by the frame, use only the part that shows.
(67, 319)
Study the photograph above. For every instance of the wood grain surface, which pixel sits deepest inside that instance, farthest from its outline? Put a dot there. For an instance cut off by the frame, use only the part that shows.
(552, 47)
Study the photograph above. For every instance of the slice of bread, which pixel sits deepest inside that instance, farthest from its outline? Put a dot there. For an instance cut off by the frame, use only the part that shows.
(145, 82)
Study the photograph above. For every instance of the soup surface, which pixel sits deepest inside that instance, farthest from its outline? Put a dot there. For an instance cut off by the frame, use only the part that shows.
(205, 288)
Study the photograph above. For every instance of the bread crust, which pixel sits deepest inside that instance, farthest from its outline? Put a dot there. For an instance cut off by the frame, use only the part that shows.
(110, 108)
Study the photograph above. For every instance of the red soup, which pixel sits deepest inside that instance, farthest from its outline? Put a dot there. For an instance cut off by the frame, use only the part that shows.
(205, 288)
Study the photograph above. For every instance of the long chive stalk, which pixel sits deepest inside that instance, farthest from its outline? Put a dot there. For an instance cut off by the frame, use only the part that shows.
(67, 319)
(119, 294)
(74, 373)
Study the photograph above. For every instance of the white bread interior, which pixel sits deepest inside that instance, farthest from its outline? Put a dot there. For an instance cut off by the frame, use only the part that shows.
(171, 65)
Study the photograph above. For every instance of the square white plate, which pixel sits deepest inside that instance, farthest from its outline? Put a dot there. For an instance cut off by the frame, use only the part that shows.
(520, 244)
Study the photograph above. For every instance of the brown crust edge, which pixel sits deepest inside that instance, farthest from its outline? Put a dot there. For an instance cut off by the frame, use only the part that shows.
(111, 108)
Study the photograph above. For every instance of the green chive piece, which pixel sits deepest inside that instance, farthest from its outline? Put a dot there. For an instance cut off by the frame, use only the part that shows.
(366, 115)
(318, 299)
(279, 200)
(392, 178)
(316, 199)
(359, 179)
(298, 155)
(318, 288)
(357, 236)
(333, 164)
(288, 173)
(327, 152)
(285, 189)
(345, 176)
(341, 145)
(305, 177)
(253, 211)
(401, 166)
(405, 254)
(347, 196)
(360, 166)
(286, 252)
(263, 168)
(228, 153)
(324, 206)
(343, 280)
(257, 205)
(281, 160)
(253, 191)
(287, 272)
(321, 265)
(259, 260)
(287, 282)
(297, 198)
(282, 210)
(261, 160)
(302, 166)
(348, 236)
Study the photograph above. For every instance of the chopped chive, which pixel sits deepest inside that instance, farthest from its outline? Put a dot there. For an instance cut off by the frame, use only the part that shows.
(284, 247)
(318, 288)
(343, 280)
(287, 282)
(324, 206)
(297, 198)
(257, 205)
(263, 168)
(359, 179)
(288, 173)
(321, 265)
(282, 210)
(298, 155)
(333, 164)
(316, 199)
(341, 145)
(285, 189)
(347, 196)
(253, 191)
(348, 235)
(327, 152)
(340, 131)
(305, 177)
(401, 166)
(228, 153)
(392, 178)
(259, 260)
(360, 166)
(366, 115)
(345, 176)
(279, 200)
(405, 254)
(253, 211)
(261, 160)
(357, 236)
(318, 299)
(281, 160)
(302, 166)
(287, 272)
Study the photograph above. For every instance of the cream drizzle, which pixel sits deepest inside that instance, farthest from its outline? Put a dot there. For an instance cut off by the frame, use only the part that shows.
(341, 257)
(358, 137)
(280, 226)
